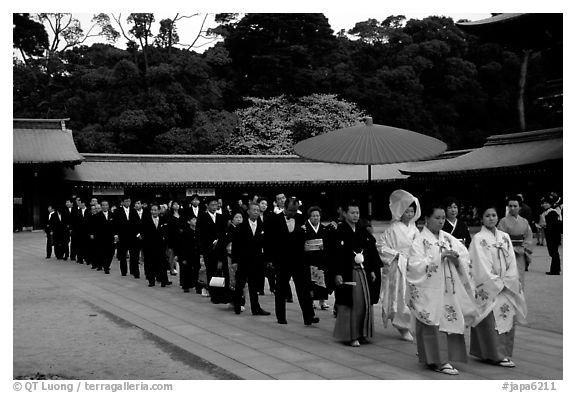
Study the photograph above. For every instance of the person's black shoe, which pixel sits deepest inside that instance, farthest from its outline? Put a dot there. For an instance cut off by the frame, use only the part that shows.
(123, 274)
(237, 309)
(72, 258)
(151, 284)
(186, 290)
(164, 284)
(552, 274)
(137, 277)
(260, 312)
(282, 321)
(98, 268)
(106, 271)
(289, 300)
(65, 258)
(47, 257)
(311, 321)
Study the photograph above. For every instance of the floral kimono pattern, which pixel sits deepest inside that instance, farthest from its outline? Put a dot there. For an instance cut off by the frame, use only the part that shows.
(394, 246)
(439, 294)
(497, 279)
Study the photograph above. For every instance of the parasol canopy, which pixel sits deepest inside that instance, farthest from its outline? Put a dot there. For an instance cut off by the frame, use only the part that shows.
(370, 144)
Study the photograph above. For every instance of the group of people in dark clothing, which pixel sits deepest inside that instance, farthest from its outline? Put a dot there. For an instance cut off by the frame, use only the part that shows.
(242, 247)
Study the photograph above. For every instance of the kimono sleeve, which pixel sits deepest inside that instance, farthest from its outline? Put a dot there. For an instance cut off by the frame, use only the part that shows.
(488, 283)
(387, 246)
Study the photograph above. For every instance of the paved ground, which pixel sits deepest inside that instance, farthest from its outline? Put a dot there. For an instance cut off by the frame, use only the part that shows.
(73, 321)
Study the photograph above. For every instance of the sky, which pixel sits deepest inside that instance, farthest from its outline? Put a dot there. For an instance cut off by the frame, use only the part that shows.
(188, 28)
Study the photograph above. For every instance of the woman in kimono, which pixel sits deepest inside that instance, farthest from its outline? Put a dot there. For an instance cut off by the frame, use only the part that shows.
(357, 287)
(440, 293)
(518, 228)
(452, 225)
(394, 246)
(499, 295)
(315, 236)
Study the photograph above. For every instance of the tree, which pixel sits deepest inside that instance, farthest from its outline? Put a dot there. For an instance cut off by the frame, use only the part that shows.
(279, 53)
(273, 125)
(29, 37)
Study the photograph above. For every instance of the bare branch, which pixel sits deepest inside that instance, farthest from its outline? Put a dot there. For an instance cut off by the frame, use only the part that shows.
(120, 25)
(198, 36)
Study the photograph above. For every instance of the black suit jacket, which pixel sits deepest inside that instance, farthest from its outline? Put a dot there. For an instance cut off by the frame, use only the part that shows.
(81, 223)
(54, 224)
(104, 229)
(154, 238)
(68, 217)
(285, 248)
(137, 223)
(124, 225)
(248, 248)
(208, 231)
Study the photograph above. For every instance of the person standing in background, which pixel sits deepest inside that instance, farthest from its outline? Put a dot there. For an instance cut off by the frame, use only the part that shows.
(518, 228)
(553, 233)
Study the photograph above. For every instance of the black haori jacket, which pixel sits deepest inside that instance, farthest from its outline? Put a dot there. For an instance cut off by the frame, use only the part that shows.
(345, 244)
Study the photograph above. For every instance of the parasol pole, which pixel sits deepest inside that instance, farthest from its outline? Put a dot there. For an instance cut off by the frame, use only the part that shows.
(369, 192)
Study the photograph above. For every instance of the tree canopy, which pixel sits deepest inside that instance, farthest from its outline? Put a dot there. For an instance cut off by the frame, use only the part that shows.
(274, 79)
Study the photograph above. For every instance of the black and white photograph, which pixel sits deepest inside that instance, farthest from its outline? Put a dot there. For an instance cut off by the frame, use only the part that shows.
(340, 192)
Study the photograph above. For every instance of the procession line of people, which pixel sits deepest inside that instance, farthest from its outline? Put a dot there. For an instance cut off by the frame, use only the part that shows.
(432, 284)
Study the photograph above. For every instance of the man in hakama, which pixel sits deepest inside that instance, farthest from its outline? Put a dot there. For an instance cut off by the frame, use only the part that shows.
(499, 294)
(357, 288)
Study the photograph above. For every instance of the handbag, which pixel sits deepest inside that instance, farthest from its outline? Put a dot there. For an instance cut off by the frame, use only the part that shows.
(219, 294)
(217, 282)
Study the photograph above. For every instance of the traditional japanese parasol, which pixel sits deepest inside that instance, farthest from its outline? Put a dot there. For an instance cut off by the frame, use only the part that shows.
(370, 144)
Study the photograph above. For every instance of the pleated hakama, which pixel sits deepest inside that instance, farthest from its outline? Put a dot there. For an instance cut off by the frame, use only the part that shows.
(436, 347)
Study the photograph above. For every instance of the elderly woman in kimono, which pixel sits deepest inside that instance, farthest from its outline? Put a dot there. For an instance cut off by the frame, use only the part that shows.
(394, 246)
(440, 293)
(520, 233)
(499, 295)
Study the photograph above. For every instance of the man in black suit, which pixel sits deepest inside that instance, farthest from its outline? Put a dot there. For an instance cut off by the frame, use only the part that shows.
(138, 219)
(211, 227)
(287, 249)
(80, 231)
(54, 238)
(104, 236)
(153, 237)
(67, 213)
(124, 226)
(195, 209)
(248, 254)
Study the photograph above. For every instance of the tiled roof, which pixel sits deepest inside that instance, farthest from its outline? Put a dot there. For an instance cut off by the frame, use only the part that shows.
(41, 141)
(499, 153)
(220, 170)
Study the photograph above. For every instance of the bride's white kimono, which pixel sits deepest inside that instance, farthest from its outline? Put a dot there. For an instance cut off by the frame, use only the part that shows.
(439, 294)
(394, 247)
(497, 279)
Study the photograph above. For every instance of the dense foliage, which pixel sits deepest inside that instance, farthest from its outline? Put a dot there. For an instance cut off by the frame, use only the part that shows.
(273, 80)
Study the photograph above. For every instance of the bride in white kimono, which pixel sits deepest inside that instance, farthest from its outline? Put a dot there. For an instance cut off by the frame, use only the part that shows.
(394, 246)
(441, 294)
(499, 294)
